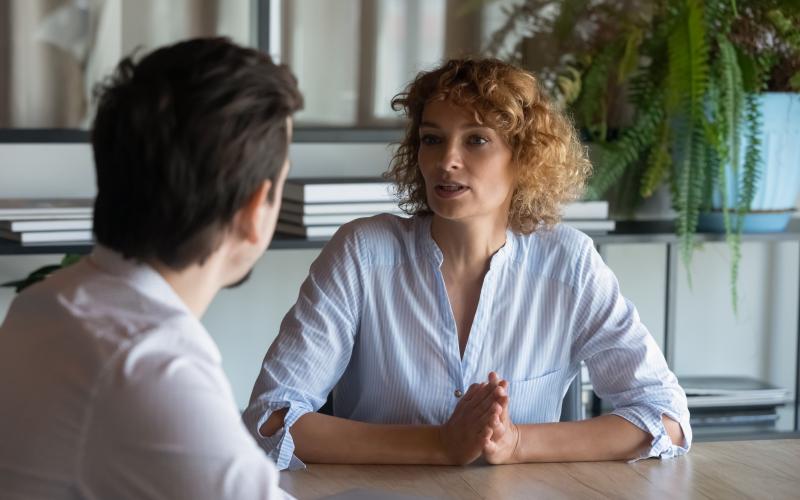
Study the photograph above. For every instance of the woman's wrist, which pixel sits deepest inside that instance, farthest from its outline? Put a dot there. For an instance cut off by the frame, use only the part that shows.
(441, 455)
(514, 457)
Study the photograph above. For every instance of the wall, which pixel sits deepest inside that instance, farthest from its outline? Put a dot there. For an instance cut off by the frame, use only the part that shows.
(710, 340)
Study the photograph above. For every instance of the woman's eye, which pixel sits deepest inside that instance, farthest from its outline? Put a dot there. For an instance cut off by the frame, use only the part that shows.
(477, 140)
(429, 139)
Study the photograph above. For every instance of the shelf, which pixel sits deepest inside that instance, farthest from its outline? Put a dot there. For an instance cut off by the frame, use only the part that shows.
(748, 434)
(8, 247)
(663, 231)
(627, 232)
(302, 133)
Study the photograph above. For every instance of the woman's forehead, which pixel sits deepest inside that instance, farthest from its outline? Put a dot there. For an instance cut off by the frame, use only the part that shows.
(451, 108)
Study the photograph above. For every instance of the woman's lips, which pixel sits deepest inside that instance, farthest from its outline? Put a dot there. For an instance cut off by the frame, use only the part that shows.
(450, 190)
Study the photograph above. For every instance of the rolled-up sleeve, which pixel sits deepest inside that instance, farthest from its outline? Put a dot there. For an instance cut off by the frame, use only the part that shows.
(313, 347)
(625, 365)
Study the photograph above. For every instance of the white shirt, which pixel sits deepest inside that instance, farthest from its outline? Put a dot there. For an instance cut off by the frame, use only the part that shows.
(111, 388)
(374, 324)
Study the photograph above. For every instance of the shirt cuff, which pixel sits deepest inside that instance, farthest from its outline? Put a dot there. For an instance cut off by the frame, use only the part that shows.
(649, 420)
(280, 446)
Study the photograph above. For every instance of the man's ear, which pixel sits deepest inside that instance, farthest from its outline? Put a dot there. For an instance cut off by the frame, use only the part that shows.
(250, 218)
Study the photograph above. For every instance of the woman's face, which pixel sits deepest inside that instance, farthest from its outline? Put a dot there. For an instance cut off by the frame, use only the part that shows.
(466, 166)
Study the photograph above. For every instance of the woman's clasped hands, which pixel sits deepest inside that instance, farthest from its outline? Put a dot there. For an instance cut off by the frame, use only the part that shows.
(480, 425)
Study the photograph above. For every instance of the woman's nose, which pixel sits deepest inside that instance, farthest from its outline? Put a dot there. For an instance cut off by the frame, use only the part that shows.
(451, 157)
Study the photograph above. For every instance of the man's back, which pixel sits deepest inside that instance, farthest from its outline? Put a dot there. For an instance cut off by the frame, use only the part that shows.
(111, 388)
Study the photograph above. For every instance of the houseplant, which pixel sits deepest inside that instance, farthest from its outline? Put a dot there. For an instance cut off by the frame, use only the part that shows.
(42, 273)
(667, 93)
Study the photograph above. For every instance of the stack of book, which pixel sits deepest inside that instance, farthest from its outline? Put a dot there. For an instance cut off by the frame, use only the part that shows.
(46, 221)
(733, 401)
(718, 404)
(588, 216)
(316, 207)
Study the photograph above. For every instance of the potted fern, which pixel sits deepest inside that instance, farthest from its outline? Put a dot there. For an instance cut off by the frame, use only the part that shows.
(669, 93)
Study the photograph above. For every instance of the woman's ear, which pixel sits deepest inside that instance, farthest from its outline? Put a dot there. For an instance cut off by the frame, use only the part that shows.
(250, 218)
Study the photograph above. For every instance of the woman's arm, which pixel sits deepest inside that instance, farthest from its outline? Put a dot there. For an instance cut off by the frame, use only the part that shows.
(626, 367)
(325, 439)
(312, 349)
(607, 437)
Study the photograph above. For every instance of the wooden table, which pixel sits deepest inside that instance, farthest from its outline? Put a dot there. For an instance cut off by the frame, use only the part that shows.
(732, 469)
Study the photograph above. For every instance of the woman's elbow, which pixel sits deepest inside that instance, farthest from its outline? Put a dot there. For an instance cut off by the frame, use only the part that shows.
(674, 431)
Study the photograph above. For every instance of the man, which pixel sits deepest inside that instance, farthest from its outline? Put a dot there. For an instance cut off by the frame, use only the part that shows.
(110, 386)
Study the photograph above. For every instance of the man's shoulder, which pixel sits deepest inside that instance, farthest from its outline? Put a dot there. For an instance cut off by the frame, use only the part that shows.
(99, 312)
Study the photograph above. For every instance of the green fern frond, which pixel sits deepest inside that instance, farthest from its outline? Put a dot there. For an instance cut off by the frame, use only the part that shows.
(690, 191)
(731, 101)
(591, 106)
(658, 162)
(615, 158)
(712, 169)
(688, 78)
(630, 55)
(752, 157)
(729, 122)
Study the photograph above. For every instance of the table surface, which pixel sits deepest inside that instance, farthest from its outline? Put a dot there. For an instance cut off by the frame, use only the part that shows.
(731, 469)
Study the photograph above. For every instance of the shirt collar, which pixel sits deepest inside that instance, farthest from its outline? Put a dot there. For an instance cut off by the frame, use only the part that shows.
(148, 282)
(140, 275)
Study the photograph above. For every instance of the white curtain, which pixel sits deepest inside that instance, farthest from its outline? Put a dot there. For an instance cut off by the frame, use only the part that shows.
(352, 56)
(54, 51)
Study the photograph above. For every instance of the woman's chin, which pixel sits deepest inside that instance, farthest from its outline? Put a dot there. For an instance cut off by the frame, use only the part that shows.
(448, 213)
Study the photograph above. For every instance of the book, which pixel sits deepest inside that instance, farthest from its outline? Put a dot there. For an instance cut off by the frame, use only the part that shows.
(599, 225)
(329, 190)
(47, 236)
(322, 231)
(45, 224)
(45, 206)
(717, 391)
(53, 216)
(705, 417)
(306, 231)
(327, 219)
(585, 210)
(373, 207)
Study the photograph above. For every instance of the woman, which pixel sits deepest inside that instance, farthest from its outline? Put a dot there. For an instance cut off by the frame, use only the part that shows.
(455, 333)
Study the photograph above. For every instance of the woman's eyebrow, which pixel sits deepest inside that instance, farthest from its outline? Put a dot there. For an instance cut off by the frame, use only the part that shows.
(471, 125)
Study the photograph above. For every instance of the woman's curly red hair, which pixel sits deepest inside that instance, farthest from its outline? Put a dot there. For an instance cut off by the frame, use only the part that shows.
(551, 164)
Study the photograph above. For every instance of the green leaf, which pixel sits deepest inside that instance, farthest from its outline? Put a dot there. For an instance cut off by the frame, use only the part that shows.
(42, 273)
(630, 55)
(658, 162)
(469, 6)
(688, 76)
(794, 82)
(70, 258)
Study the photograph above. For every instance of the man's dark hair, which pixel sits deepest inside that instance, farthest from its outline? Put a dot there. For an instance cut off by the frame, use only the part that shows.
(182, 139)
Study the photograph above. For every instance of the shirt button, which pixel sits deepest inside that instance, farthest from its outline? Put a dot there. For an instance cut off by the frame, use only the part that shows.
(458, 393)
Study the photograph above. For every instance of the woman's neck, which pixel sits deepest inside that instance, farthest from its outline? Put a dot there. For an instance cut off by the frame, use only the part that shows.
(468, 244)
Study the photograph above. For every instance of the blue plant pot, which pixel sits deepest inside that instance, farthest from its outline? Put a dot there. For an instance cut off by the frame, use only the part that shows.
(779, 180)
(753, 222)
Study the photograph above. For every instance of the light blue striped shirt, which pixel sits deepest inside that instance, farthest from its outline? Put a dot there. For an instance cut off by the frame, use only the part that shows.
(373, 324)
